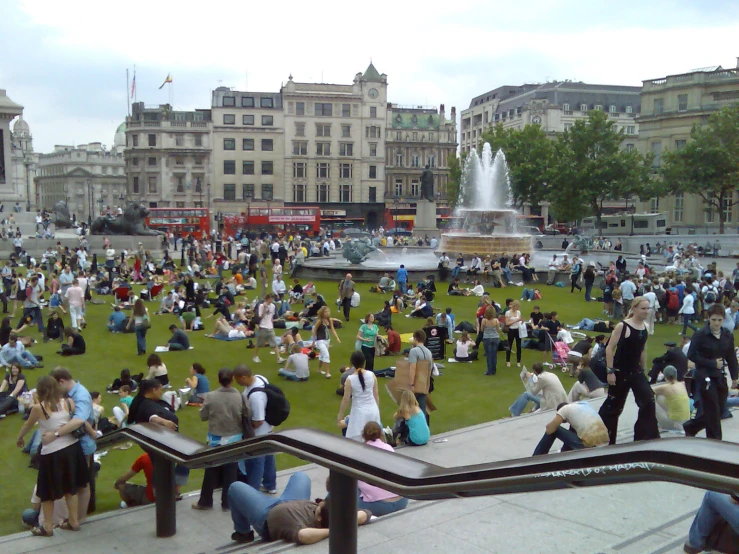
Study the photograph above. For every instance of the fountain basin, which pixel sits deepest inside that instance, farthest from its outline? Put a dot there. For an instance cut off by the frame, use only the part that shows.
(483, 245)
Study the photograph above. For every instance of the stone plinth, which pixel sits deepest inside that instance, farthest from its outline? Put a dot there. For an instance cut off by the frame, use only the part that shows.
(425, 214)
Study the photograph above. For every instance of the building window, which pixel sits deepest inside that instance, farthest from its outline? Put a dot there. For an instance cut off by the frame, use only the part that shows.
(583, 108)
(399, 159)
(267, 145)
(677, 214)
(300, 170)
(151, 162)
(229, 191)
(653, 205)
(198, 160)
(680, 144)
(179, 140)
(373, 194)
(398, 187)
(135, 185)
(346, 149)
(229, 167)
(415, 161)
(300, 129)
(179, 204)
(247, 168)
(247, 101)
(323, 170)
(629, 147)
(325, 110)
(598, 108)
(431, 160)
(431, 137)
(373, 131)
(657, 153)
(726, 204)
(152, 185)
(135, 140)
(566, 107)
(198, 140)
(682, 102)
(266, 102)
(346, 131)
(323, 129)
(247, 120)
(323, 149)
(629, 109)
(247, 191)
(179, 160)
(415, 187)
(267, 120)
(373, 172)
(345, 171)
(300, 148)
(373, 149)
(267, 168)
(229, 101)
(346, 110)
(659, 106)
(229, 144)
(229, 119)
(299, 192)
(323, 192)
(373, 112)
(299, 108)
(247, 144)
(398, 135)
(267, 189)
(345, 193)
(709, 214)
(631, 129)
(152, 140)
(135, 162)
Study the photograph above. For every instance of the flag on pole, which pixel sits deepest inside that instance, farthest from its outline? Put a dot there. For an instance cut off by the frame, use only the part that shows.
(133, 86)
(167, 80)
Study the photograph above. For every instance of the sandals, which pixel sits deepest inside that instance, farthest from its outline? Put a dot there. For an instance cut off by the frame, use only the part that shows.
(68, 526)
(41, 532)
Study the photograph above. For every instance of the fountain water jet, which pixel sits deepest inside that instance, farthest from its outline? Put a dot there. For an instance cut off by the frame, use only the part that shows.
(489, 227)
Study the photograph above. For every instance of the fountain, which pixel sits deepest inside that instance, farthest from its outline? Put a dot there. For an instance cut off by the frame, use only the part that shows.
(489, 227)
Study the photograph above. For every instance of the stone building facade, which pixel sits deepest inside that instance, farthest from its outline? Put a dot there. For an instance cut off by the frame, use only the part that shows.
(17, 159)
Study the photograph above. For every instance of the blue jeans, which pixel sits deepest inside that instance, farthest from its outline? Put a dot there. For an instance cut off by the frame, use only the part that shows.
(715, 507)
(491, 355)
(25, 359)
(381, 507)
(527, 294)
(250, 508)
(455, 271)
(421, 399)
(140, 339)
(686, 323)
(586, 324)
(261, 471)
(289, 375)
(569, 438)
(732, 402)
(519, 405)
(36, 314)
(588, 290)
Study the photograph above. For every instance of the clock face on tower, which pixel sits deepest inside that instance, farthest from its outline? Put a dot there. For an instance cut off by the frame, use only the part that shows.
(373, 93)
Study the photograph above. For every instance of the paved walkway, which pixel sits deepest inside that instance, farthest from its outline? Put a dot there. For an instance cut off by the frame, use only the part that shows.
(642, 518)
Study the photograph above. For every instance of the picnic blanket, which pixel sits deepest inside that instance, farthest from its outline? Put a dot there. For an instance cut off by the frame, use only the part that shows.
(166, 349)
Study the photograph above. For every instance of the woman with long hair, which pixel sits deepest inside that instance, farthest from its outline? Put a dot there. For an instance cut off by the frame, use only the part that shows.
(490, 329)
(383, 318)
(360, 389)
(62, 465)
(321, 340)
(410, 421)
(464, 350)
(157, 369)
(367, 336)
(140, 322)
(5, 329)
(513, 321)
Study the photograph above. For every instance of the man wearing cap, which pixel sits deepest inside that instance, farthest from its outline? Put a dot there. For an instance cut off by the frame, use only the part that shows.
(673, 357)
(673, 404)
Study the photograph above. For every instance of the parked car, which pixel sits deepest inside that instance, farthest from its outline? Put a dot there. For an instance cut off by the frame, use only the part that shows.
(551, 230)
(529, 230)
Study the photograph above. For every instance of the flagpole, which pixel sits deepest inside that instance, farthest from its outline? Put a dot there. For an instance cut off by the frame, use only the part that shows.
(128, 96)
(170, 96)
(135, 92)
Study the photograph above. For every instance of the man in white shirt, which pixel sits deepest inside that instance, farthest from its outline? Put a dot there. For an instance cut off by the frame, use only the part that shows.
(261, 472)
(628, 290)
(653, 307)
(732, 315)
(390, 240)
(553, 267)
(588, 429)
(475, 266)
(266, 331)
(278, 287)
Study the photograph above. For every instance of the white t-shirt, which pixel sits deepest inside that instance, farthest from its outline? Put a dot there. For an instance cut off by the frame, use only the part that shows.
(514, 315)
(299, 362)
(258, 405)
(587, 423)
(75, 296)
(266, 313)
(463, 348)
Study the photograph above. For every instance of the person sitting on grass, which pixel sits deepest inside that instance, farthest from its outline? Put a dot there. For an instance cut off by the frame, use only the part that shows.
(54, 329)
(13, 351)
(137, 495)
(11, 389)
(157, 370)
(587, 429)
(289, 338)
(179, 339)
(75, 343)
(221, 328)
(187, 318)
(410, 422)
(546, 391)
(422, 308)
(455, 290)
(168, 304)
(199, 384)
(121, 412)
(296, 367)
(125, 379)
(117, 321)
(465, 350)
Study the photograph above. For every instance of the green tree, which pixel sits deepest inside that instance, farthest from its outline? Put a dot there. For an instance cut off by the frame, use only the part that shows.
(456, 165)
(708, 165)
(528, 152)
(590, 166)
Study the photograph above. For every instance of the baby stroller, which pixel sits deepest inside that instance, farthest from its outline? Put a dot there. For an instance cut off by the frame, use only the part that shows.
(563, 356)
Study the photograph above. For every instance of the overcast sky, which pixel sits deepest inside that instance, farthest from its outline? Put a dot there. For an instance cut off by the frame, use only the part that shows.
(66, 61)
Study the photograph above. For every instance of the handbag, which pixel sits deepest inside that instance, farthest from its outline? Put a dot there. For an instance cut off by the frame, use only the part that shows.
(247, 429)
(523, 332)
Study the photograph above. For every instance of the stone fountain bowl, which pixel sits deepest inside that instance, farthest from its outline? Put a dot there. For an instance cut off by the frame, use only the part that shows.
(476, 243)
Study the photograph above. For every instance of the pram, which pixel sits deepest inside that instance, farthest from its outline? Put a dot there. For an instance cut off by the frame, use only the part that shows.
(562, 355)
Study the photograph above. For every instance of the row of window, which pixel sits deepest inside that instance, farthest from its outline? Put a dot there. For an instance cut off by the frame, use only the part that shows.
(247, 191)
(325, 109)
(152, 161)
(682, 104)
(230, 119)
(179, 140)
(300, 192)
(248, 144)
(300, 169)
(248, 102)
(415, 160)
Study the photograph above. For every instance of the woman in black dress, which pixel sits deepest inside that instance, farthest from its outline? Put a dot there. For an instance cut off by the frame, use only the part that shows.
(75, 343)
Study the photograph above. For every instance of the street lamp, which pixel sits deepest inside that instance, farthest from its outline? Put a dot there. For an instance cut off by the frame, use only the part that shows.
(89, 202)
(396, 206)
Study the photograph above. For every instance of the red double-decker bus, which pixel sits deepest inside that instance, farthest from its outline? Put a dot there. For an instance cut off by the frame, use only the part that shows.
(305, 220)
(182, 222)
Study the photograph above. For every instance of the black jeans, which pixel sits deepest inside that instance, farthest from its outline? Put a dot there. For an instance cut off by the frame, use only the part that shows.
(513, 336)
(346, 304)
(646, 426)
(369, 356)
(222, 475)
(713, 395)
(573, 279)
(4, 300)
(8, 403)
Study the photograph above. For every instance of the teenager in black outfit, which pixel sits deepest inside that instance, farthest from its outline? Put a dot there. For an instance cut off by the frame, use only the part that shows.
(711, 350)
(626, 358)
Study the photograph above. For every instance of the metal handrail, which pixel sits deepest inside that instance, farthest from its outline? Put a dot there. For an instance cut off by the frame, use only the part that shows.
(702, 463)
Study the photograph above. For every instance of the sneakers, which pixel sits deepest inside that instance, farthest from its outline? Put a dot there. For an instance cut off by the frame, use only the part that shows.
(280, 359)
(256, 360)
(242, 538)
(691, 549)
(197, 506)
(268, 491)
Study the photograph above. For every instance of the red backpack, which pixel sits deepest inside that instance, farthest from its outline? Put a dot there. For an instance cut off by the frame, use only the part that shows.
(673, 300)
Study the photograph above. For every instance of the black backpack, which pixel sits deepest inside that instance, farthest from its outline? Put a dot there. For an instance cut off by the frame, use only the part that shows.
(278, 408)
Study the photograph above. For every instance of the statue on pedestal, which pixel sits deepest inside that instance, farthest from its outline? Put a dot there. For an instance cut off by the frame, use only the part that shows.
(427, 184)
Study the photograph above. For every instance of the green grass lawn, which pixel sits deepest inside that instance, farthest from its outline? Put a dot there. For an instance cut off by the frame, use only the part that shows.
(463, 395)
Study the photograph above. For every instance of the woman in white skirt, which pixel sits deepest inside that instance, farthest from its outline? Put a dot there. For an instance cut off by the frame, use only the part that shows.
(321, 340)
(360, 389)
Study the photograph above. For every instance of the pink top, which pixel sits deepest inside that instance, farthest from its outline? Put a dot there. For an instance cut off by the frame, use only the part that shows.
(75, 296)
(370, 493)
